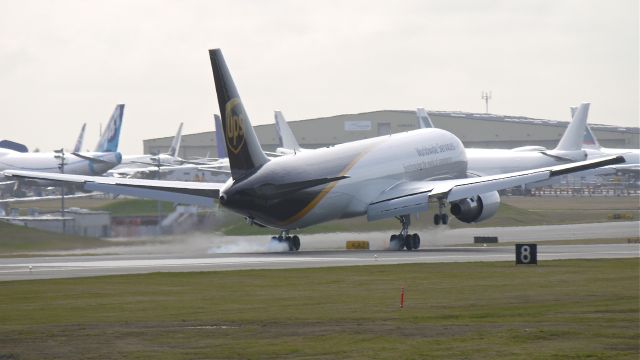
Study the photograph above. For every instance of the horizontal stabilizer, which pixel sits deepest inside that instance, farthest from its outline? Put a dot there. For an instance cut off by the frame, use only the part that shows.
(181, 192)
(91, 158)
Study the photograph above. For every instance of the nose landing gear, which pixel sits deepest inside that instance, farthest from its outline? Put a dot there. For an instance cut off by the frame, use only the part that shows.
(404, 239)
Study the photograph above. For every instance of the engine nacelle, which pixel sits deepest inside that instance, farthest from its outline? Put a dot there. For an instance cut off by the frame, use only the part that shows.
(477, 208)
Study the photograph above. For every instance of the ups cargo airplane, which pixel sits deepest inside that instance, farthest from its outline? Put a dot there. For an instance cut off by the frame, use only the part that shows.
(382, 177)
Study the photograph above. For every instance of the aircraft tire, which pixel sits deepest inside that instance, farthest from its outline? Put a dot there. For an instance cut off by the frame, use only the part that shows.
(295, 242)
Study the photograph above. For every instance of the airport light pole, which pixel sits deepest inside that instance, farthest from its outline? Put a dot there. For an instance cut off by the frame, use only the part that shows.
(158, 202)
(60, 156)
(486, 96)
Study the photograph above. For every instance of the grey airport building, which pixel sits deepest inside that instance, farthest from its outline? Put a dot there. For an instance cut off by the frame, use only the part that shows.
(474, 129)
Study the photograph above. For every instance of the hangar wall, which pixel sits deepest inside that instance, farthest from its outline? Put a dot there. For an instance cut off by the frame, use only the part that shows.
(475, 130)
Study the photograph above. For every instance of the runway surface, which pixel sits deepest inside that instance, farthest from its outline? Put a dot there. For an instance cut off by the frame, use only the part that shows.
(82, 266)
(210, 252)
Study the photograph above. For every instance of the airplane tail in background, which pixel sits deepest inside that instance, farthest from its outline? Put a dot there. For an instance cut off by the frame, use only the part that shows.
(175, 145)
(80, 140)
(590, 141)
(424, 121)
(243, 147)
(111, 136)
(572, 138)
(285, 135)
(221, 147)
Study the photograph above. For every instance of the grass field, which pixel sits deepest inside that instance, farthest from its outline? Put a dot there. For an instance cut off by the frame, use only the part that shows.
(17, 239)
(556, 310)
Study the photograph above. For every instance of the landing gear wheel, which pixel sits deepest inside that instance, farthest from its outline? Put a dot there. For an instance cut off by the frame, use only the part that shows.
(295, 243)
(445, 219)
(436, 219)
(287, 239)
(396, 242)
(416, 241)
(408, 240)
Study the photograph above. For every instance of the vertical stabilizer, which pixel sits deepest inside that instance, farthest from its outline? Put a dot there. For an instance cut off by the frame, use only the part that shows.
(572, 138)
(175, 145)
(590, 141)
(573, 110)
(285, 135)
(245, 153)
(221, 147)
(424, 121)
(78, 146)
(111, 135)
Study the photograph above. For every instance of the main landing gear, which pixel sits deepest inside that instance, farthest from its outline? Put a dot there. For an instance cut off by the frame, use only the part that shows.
(441, 217)
(404, 239)
(293, 242)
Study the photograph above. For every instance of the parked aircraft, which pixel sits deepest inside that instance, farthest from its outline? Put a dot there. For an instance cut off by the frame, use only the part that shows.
(594, 151)
(382, 177)
(97, 162)
(131, 162)
(288, 143)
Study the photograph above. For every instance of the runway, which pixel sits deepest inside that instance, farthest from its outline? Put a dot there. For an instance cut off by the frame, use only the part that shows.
(83, 266)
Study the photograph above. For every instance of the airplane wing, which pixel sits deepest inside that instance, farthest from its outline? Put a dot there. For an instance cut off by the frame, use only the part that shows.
(183, 192)
(413, 196)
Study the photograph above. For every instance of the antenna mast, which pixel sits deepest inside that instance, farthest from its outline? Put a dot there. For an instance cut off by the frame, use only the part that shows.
(486, 96)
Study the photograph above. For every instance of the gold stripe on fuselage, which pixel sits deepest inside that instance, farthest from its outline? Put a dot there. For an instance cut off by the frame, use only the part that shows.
(313, 203)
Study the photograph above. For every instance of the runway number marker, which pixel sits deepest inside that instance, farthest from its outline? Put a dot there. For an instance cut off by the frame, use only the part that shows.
(526, 254)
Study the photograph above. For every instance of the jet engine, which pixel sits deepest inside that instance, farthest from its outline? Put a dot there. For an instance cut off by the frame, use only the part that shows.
(477, 208)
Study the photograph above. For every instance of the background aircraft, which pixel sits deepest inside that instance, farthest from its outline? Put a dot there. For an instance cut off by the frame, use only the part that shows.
(594, 151)
(97, 162)
(382, 177)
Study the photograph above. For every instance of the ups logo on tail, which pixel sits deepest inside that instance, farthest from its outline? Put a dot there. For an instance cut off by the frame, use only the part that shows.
(234, 125)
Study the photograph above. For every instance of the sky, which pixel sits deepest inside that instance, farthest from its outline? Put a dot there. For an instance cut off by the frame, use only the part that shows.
(63, 63)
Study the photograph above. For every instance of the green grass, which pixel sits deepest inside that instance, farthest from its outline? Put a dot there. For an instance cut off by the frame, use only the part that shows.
(129, 207)
(17, 239)
(556, 310)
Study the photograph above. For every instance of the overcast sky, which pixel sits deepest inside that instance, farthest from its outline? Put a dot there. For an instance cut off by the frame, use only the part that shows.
(63, 63)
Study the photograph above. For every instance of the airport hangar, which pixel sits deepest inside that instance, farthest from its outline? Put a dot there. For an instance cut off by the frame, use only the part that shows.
(474, 129)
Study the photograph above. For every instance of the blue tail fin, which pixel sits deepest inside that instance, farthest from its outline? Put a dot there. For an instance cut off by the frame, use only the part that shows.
(221, 148)
(111, 136)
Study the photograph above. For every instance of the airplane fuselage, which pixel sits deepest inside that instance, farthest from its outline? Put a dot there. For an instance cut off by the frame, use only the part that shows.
(372, 165)
(46, 162)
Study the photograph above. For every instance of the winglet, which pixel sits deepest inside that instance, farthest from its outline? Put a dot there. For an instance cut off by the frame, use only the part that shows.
(221, 147)
(111, 136)
(424, 121)
(285, 135)
(572, 138)
(243, 147)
